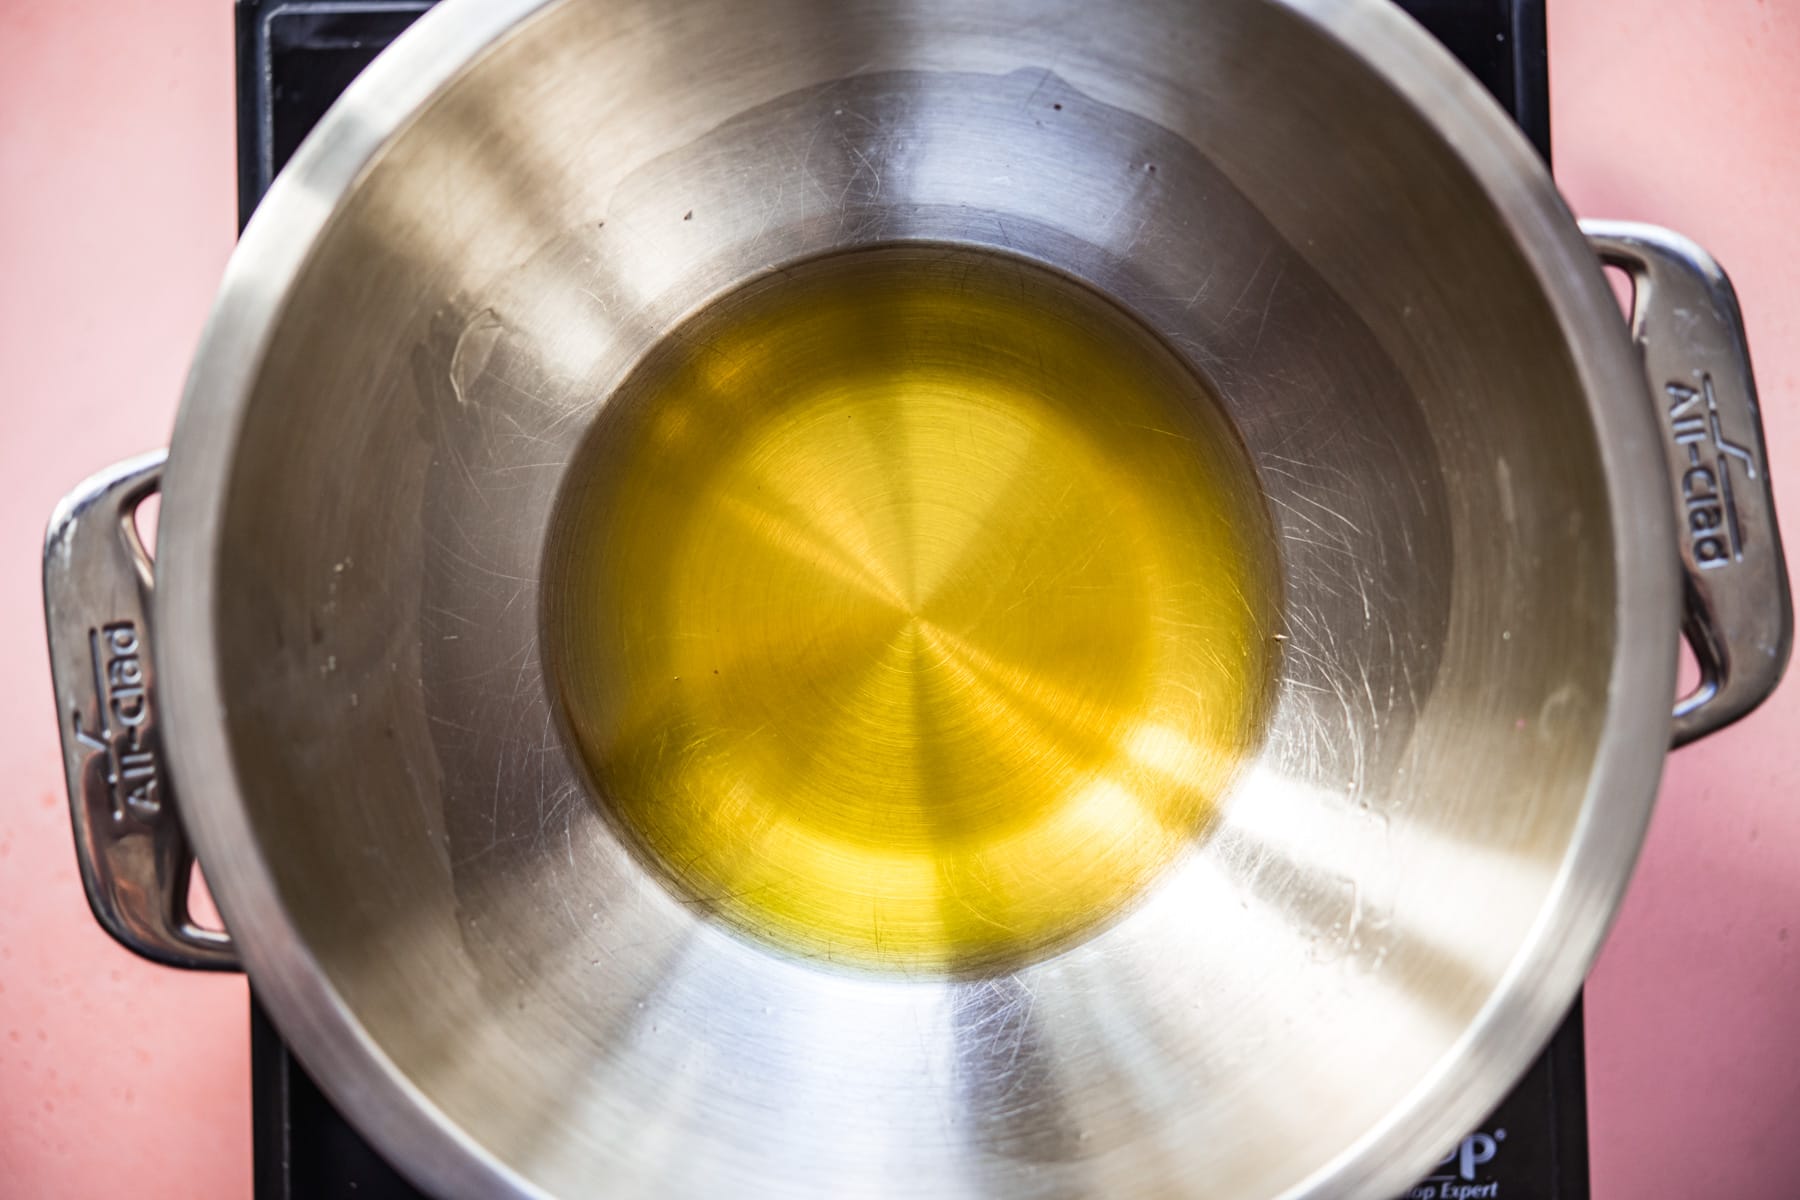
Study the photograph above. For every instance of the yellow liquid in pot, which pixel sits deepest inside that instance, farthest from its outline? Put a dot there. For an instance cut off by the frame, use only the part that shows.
(912, 609)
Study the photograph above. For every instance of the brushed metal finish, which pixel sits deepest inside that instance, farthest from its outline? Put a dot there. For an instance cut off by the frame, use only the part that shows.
(134, 856)
(1740, 617)
(1310, 203)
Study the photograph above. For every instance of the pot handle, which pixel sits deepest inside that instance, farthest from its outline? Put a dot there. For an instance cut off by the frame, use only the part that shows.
(1738, 615)
(135, 859)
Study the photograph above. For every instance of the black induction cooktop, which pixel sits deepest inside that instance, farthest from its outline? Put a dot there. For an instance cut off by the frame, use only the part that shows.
(294, 58)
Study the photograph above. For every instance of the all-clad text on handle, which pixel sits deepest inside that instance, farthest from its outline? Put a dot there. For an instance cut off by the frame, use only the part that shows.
(135, 859)
(1739, 615)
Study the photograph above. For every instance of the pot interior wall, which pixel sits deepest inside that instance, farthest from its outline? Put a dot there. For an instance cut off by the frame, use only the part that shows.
(1258, 199)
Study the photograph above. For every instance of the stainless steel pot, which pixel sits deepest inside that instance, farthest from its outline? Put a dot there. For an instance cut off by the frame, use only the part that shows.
(1495, 517)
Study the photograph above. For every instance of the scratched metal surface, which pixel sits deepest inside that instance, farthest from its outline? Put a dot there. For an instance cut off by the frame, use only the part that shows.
(1692, 1070)
(1409, 881)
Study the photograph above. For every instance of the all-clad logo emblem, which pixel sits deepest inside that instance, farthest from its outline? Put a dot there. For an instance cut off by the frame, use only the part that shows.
(1713, 531)
(124, 731)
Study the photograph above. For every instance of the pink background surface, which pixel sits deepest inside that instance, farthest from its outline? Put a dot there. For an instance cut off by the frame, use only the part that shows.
(116, 216)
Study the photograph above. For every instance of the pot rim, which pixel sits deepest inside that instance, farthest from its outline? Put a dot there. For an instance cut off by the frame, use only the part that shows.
(1518, 1017)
